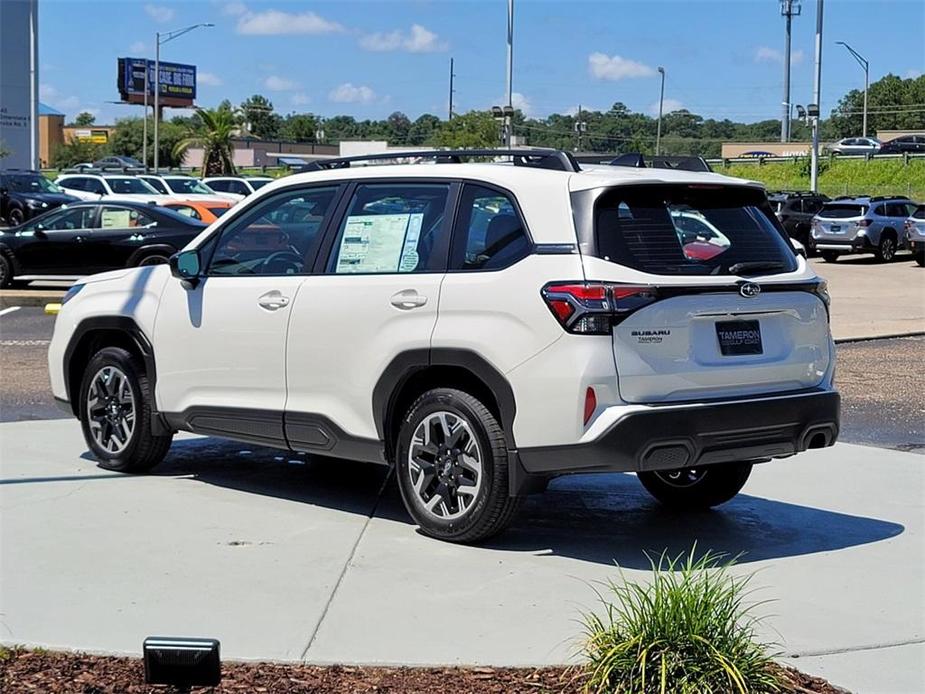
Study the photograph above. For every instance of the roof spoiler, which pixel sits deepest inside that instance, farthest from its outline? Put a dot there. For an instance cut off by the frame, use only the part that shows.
(640, 161)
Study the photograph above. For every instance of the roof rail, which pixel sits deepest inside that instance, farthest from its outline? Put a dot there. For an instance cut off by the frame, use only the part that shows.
(881, 198)
(555, 159)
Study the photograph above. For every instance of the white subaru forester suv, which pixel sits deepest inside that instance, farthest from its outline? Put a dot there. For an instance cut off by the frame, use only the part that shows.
(483, 327)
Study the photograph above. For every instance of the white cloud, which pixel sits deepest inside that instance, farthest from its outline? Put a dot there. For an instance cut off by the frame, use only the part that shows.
(209, 79)
(668, 106)
(272, 22)
(52, 96)
(347, 93)
(275, 83)
(519, 101)
(300, 99)
(764, 54)
(418, 40)
(234, 9)
(159, 13)
(138, 47)
(615, 68)
(47, 92)
(913, 74)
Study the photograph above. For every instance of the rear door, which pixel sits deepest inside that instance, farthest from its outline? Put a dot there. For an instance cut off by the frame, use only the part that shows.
(694, 320)
(121, 231)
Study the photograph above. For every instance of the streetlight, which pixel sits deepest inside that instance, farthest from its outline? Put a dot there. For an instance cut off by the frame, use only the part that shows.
(159, 39)
(504, 115)
(864, 64)
(661, 103)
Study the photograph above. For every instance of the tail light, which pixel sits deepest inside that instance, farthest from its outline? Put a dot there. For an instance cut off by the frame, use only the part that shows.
(865, 223)
(909, 224)
(590, 404)
(593, 308)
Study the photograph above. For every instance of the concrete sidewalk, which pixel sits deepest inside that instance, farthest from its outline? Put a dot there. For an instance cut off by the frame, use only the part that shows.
(287, 558)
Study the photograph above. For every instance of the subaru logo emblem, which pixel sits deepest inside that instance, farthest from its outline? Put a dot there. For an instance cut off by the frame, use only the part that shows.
(749, 290)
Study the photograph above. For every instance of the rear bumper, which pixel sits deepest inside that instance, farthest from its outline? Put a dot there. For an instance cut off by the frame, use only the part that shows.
(859, 244)
(665, 437)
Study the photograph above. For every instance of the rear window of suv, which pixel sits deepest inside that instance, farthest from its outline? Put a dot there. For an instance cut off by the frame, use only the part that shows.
(689, 230)
(842, 211)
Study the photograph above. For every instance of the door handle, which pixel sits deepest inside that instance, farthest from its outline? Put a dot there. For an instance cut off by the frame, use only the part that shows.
(408, 299)
(79, 239)
(273, 300)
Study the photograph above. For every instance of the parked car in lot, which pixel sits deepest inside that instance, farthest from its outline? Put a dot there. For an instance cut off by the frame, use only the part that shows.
(204, 211)
(184, 187)
(237, 187)
(118, 160)
(914, 144)
(309, 320)
(915, 234)
(108, 187)
(796, 210)
(88, 237)
(861, 225)
(25, 193)
(855, 145)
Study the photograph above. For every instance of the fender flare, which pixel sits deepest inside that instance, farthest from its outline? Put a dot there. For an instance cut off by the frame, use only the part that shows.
(156, 248)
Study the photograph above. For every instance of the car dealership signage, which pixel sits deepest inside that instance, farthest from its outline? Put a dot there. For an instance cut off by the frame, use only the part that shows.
(177, 82)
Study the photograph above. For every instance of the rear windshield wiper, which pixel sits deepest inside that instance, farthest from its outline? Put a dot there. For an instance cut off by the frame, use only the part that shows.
(755, 266)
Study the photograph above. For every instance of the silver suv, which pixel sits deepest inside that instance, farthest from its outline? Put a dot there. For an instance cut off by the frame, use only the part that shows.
(861, 225)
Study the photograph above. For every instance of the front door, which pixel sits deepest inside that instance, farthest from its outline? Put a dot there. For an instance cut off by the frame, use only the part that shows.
(57, 244)
(221, 345)
(376, 296)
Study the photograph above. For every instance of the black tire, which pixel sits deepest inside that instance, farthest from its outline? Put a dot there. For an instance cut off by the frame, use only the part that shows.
(806, 238)
(886, 249)
(16, 217)
(143, 450)
(6, 272)
(491, 508)
(153, 259)
(696, 489)
(829, 256)
(920, 258)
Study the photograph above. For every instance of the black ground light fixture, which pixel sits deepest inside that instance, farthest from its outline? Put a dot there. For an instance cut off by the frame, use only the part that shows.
(182, 662)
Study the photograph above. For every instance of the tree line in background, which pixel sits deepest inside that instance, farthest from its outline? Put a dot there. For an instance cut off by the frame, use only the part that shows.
(893, 104)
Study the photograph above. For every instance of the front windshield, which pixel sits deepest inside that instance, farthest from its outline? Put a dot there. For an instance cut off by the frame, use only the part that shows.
(33, 184)
(128, 185)
(188, 186)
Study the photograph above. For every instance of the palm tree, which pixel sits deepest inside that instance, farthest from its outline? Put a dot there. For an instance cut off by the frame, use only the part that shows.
(214, 134)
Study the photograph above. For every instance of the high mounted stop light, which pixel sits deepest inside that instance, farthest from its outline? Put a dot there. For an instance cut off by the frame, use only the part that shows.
(182, 662)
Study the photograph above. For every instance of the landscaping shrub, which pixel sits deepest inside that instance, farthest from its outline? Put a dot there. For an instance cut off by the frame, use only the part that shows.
(688, 630)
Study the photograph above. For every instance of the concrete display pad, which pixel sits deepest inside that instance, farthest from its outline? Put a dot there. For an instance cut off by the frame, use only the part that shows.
(285, 557)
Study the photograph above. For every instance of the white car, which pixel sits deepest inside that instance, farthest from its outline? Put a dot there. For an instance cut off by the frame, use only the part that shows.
(109, 187)
(237, 187)
(182, 187)
(481, 327)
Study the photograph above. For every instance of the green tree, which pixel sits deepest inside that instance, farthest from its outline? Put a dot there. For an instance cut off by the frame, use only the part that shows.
(299, 128)
(4, 152)
(473, 129)
(892, 103)
(76, 151)
(423, 129)
(398, 128)
(214, 134)
(259, 117)
(84, 119)
(128, 139)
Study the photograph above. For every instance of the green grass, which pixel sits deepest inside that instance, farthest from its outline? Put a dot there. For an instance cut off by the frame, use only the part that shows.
(687, 631)
(839, 176)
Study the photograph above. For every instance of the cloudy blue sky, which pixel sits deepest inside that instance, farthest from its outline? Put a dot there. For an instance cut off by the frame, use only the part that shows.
(369, 58)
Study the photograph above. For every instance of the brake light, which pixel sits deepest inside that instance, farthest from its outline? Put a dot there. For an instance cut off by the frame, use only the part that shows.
(910, 225)
(865, 223)
(592, 308)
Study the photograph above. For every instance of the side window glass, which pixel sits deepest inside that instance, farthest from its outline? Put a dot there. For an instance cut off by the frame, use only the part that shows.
(125, 218)
(489, 232)
(79, 218)
(95, 186)
(390, 228)
(157, 185)
(218, 186)
(278, 237)
(73, 183)
(237, 187)
(880, 211)
(186, 210)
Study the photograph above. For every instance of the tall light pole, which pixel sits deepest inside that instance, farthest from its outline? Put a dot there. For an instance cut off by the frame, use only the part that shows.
(661, 103)
(788, 9)
(144, 128)
(159, 39)
(450, 114)
(510, 73)
(816, 106)
(862, 61)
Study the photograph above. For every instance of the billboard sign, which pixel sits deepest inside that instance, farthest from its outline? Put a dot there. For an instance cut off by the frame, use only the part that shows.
(177, 82)
(97, 137)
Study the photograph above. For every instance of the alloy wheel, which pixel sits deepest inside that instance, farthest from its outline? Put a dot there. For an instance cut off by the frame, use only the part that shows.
(111, 409)
(445, 465)
(886, 249)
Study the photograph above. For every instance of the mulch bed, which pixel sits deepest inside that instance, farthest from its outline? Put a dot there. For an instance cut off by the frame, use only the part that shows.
(23, 670)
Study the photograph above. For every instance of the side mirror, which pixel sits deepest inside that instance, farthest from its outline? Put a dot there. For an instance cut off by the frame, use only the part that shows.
(185, 267)
(39, 231)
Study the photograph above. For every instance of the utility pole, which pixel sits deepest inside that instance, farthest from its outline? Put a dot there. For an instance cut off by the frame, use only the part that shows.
(144, 128)
(510, 73)
(450, 115)
(817, 82)
(862, 61)
(661, 103)
(788, 9)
